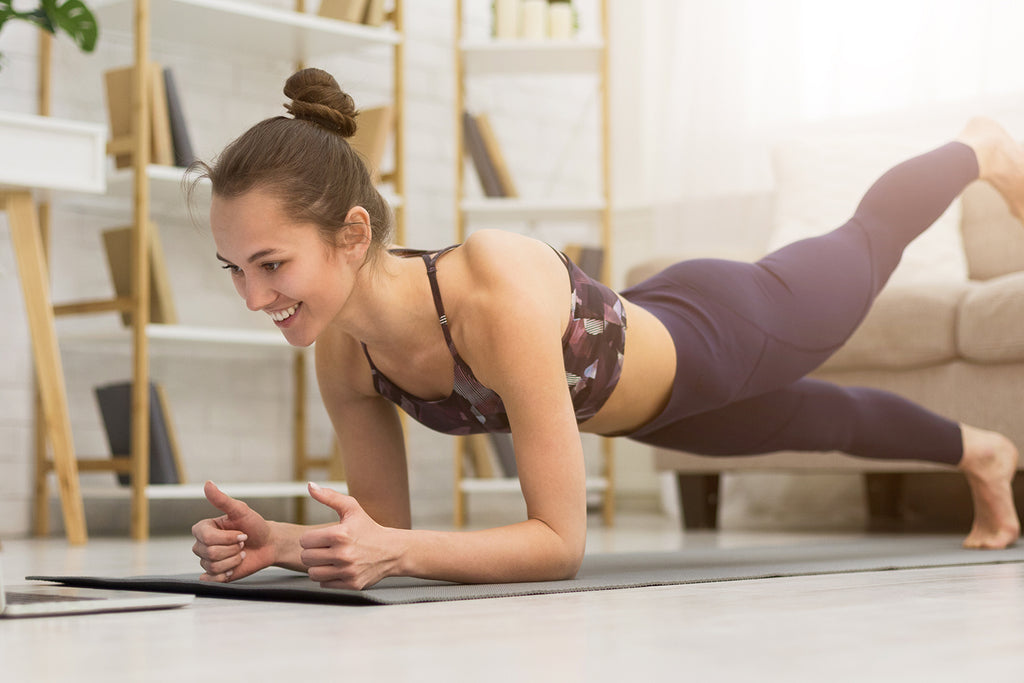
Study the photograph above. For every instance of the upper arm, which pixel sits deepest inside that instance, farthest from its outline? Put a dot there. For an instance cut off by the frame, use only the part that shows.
(368, 430)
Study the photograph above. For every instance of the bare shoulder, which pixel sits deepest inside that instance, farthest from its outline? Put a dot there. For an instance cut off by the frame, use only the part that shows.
(496, 258)
(341, 367)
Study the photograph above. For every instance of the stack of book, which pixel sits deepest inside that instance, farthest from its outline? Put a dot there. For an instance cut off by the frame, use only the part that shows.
(170, 142)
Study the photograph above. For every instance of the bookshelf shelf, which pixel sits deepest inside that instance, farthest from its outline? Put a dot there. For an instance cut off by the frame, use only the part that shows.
(511, 485)
(515, 208)
(242, 490)
(533, 57)
(242, 28)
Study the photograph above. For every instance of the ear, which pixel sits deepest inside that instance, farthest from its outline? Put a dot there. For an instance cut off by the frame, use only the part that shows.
(357, 233)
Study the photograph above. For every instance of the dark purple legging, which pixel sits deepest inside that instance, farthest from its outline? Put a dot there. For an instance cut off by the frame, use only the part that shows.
(746, 334)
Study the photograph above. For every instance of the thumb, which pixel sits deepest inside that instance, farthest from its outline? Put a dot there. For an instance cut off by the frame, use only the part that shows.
(339, 502)
(223, 502)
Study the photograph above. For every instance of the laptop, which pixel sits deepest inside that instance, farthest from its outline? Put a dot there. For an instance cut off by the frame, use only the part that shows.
(37, 600)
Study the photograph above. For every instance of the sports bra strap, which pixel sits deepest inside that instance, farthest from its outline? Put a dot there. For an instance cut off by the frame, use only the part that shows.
(431, 260)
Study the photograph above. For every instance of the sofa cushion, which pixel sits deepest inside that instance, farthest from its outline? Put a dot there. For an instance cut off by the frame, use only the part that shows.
(821, 177)
(909, 326)
(993, 238)
(991, 322)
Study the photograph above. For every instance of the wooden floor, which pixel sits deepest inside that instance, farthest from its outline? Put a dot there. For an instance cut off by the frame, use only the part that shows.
(946, 624)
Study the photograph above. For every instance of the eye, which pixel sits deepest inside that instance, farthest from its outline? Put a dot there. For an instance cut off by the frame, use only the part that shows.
(272, 266)
(233, 269)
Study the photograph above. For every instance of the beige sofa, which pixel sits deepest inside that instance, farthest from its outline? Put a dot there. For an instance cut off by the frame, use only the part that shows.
(956, 347)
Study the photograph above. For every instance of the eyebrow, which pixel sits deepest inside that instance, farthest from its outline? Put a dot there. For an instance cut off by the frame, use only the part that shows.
(262, 253)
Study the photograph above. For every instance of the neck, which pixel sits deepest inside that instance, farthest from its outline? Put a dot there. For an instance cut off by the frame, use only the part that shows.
(386, 299)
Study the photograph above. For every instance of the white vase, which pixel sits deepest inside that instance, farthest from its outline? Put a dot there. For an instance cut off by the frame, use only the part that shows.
(506, 18)
(560, 20)
(535, 20)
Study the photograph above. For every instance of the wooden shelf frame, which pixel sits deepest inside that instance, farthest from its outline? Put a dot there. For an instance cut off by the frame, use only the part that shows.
(242, 29)
(536, 58)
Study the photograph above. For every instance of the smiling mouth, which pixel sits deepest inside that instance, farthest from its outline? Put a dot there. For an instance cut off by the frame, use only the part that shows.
(281, 316)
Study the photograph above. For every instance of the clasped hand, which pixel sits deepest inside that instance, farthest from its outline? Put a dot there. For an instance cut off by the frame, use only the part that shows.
(354, 553)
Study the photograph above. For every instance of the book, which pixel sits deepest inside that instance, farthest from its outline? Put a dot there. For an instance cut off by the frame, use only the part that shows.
(497, 159)
(115, 403)
(344, 10)
(372, 129)
(119, 83)
(374, 13)
(180, 139)
(117, 243)
(160, 120)
(477, 151)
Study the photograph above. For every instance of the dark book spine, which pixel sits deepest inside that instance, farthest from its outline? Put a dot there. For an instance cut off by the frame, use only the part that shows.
(183, 154)
(485, 169)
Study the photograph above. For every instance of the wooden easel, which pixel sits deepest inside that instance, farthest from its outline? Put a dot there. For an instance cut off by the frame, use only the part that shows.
(35, 286)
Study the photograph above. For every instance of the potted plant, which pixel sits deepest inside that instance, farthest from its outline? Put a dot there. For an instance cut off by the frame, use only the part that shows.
(69, 16)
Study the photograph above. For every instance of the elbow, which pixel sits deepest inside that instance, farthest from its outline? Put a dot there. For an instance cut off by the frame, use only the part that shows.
(571, 566)
(569, 559)
(564, 554)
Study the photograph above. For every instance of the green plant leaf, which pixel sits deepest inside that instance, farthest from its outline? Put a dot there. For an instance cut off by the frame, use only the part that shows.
(75, 19)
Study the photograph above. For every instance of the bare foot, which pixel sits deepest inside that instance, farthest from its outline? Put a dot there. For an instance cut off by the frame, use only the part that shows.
(989, 462)
(1000, 160)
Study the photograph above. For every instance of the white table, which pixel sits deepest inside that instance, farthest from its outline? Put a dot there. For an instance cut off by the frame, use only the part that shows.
(39, 155)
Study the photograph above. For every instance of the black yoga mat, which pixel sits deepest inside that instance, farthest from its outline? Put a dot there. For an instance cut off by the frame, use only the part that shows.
(599, 572)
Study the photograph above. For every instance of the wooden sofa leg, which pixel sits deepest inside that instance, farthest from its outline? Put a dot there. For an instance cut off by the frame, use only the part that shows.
(698, 498)
(884, 493)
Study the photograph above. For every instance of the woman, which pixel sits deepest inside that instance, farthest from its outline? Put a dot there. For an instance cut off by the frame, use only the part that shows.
(504, 333)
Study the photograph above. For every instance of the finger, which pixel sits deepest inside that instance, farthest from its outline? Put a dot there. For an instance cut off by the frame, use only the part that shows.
(320, 556)
(327, 537)
(217, 578)
(222, 566)
(223, 502)
(215, 553)
(339, 502)
(208, 533)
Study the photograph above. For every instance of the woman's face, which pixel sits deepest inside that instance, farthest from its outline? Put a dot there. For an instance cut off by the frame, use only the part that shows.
(279, 266)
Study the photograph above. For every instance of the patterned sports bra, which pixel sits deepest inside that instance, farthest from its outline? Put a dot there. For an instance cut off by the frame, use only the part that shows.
(592, 348)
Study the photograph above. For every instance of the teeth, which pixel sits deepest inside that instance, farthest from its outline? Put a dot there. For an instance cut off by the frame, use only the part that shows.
(278, 316)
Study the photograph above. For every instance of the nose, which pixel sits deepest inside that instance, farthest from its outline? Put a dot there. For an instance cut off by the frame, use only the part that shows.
(257, 297)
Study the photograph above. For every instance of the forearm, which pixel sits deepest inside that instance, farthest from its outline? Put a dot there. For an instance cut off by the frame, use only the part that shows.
(527, 551)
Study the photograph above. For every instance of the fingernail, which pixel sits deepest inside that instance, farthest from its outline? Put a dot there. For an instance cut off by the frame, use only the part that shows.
(242, 554)
(228, 573)
(242, 538)
(313, 486)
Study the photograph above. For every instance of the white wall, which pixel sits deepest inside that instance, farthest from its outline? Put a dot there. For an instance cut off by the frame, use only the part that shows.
(233, 413)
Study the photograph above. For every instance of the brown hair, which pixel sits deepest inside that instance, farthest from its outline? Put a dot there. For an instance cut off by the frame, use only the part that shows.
(305, 161)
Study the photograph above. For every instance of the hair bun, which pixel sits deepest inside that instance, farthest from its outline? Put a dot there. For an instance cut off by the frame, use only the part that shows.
(317, 97)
